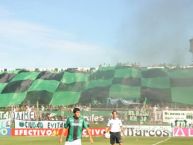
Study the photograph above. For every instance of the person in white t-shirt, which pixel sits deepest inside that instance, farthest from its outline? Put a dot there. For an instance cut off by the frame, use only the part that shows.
(114, 125)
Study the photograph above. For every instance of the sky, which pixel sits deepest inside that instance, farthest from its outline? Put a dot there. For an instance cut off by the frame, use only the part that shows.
(87, 33)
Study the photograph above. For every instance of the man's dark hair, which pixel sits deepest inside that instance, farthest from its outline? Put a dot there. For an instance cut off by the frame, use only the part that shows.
(75, 110)
(114, 111)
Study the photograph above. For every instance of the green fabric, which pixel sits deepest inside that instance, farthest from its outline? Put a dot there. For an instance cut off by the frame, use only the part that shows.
(65, 98)
(182, 95)
(26, 76)
(98, 83)
(162, 82)
(181, 73)
(9, 99)
(68, 88)
(126, 92)
(127, 72)
(48, 85)
(74, 77)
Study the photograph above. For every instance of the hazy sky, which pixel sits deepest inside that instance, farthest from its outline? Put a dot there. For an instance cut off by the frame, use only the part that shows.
(86, 33)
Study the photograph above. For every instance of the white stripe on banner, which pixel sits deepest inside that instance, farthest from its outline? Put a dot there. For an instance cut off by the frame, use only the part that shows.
(162, 141)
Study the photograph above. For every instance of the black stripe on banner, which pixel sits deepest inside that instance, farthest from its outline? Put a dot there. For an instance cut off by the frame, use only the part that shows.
(17, 86)
(156, 95)
(102, 75)
(45, 75)
(76, 86)
(5, 77)
(181, 82)
(98, 93)
(152, 73)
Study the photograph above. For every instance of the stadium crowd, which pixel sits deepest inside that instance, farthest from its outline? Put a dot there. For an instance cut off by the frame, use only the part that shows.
(132, 115)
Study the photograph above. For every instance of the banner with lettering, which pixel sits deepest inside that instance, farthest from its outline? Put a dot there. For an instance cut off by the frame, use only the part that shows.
(5, 115)
(51, 132)
(39, 124)
(138, 116)
(6, 123)
(170, 116)
(183, 132)
(17, 115)
(148, 131)
(35, 132)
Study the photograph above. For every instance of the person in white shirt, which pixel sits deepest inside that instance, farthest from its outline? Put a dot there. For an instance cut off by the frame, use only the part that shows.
(114, 125)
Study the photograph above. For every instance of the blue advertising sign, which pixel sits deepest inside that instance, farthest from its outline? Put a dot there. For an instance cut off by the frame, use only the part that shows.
(5, 131)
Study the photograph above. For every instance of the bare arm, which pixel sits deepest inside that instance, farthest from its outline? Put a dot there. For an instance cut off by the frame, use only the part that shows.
(90, 135)
(107, 129)
(61, 136)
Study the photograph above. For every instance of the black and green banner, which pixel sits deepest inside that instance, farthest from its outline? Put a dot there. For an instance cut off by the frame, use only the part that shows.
(122, 83)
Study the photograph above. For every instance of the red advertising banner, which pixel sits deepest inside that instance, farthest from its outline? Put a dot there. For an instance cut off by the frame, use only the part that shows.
(51, 132)
(183, 132)
(35, 132)
(94, 132)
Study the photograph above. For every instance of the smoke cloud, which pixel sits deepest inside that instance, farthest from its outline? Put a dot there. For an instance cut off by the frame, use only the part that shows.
(157, 32)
